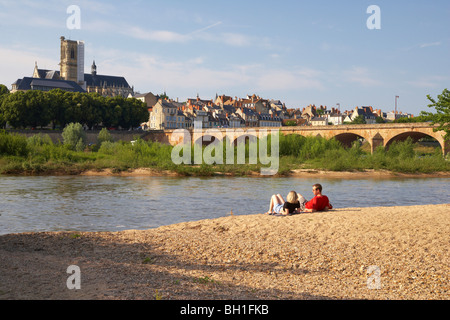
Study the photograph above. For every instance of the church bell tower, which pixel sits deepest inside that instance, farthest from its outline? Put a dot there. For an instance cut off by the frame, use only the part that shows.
(72, 61)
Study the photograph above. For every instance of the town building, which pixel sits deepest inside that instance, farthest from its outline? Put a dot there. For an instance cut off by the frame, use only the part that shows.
(249, 116)
(366, 113)
(221, 100)
(319, 121)
(335, 118)
(309, 113)
(164, 115)
(392, 116)
(148, 98)
(269, 120)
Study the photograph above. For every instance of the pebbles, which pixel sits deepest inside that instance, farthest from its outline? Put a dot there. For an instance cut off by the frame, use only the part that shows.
(311, 256)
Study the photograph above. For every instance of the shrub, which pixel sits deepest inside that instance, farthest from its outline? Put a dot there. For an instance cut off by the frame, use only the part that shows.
(74, 137)
(104, 136)
(13, 144)
(39, 140)
(107, 147)
(402, 150)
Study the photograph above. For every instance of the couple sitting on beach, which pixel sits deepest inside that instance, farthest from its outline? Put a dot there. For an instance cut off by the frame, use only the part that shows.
(296, 203)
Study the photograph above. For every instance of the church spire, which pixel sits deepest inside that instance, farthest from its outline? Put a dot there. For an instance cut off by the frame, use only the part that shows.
(36, 70)
(94, 69)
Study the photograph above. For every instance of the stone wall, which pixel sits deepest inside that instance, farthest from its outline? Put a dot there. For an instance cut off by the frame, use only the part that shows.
(56, 135)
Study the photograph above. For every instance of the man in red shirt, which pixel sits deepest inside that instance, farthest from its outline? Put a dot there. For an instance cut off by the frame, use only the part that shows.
(319, 202)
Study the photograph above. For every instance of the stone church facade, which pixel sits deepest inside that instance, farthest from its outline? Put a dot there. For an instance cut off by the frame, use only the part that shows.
(71, 76)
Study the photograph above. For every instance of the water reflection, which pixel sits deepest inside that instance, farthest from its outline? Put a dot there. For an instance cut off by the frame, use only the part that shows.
(29, 204)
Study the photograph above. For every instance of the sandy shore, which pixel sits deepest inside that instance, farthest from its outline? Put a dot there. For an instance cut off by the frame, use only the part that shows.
(294, 173)
(309, 256)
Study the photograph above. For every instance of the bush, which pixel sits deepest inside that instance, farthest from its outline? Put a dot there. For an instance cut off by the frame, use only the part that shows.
(13, 145)
(402, 150)
(306, 148)
(104, 136)
(74, 137)
(39, 140)
(107, 147)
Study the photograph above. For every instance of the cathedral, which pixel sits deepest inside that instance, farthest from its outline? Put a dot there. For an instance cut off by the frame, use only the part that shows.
(71, 76)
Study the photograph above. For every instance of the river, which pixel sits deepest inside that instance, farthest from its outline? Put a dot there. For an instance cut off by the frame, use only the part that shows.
(83, 203)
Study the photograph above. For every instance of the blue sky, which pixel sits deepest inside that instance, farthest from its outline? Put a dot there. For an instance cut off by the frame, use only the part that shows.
(300, 52)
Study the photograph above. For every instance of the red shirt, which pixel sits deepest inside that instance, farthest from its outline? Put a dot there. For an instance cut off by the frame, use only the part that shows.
(319, 203)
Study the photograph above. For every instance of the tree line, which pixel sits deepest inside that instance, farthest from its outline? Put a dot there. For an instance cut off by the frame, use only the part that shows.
(57, 108)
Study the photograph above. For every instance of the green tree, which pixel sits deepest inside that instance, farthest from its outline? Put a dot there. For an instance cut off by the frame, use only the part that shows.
(138, 112)
(442, 115)
(290, 123)
(3, 89)
(74, 137)
(94, 110)
(104, 136)
(37, 110)
(14, 109)
(57, 108)
(73, 107)
(111, 112)
(164, 96)
(379, 120)
(359, 120)
(2, 117)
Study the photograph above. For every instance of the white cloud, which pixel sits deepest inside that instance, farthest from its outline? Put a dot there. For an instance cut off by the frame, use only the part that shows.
(281, 79)
(432, 44)
(429, 82)
(235, 39)
(16, 64)
(156, 35)
(361, 76)
(166, 36)
(29, 14)
(154, 73)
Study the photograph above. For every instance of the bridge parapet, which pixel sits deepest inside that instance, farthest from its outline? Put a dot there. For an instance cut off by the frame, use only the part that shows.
(376, 134)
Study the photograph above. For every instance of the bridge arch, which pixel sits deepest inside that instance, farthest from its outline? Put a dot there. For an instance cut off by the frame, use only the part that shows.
(243, 138)
(207, 140)
(347, 138)
(415, 136)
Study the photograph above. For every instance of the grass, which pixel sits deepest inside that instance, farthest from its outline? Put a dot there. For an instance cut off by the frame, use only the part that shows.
(39, 155)
(158, 296)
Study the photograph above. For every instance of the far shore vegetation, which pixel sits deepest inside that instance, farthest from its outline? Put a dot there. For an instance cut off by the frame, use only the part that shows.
(38, 155)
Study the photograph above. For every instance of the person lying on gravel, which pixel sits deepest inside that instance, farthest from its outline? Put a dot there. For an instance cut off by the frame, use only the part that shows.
(320, 202)
(279, 206)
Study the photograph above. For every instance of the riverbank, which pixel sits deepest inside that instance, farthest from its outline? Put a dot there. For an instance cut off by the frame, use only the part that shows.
(38, 155)
(306, 173)
(308, 256)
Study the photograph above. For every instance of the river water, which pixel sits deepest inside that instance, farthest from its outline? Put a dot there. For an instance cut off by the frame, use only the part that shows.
(82, 203)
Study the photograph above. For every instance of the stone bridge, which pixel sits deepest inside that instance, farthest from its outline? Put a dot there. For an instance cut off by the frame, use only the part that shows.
(375, 134)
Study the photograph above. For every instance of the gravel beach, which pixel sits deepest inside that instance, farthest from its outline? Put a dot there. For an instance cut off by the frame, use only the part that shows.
(349, 253)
